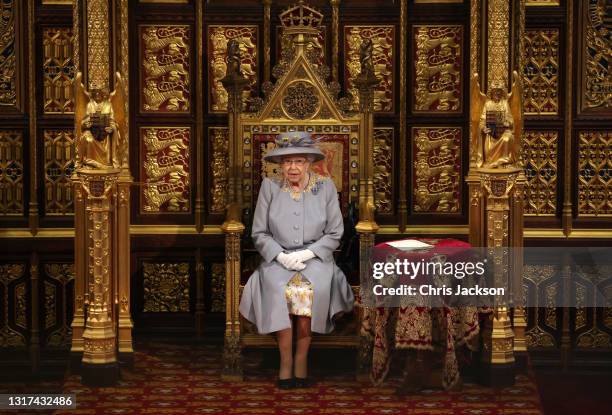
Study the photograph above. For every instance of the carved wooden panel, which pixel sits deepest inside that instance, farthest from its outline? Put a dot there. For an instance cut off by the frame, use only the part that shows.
(541, 286)
(541, 72)
(8, 53)
(218, 37)
(58, 70)
(166, 287)
(540, 156)
(437, 169)
(13, 310)
(595, 173)
(438, 68)
(58, 283)
(165, 70)
(59, 156)
(383, 170)
(218, 137)
(11, 173)
(165, 169)
(383, 40)
(591, 330)
(596, 59)
(217, 288)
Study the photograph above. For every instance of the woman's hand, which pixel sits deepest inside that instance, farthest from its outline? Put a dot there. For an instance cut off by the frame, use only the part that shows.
(290, 261)
(303, 255)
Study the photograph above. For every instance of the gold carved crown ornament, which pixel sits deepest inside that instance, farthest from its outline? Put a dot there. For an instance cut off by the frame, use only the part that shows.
(301, 18)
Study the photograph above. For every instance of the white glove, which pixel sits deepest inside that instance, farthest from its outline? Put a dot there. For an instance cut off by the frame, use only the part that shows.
(303, 255)
(290, 261)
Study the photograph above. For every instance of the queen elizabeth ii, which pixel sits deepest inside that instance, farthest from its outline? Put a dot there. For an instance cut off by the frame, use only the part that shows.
(297, 225)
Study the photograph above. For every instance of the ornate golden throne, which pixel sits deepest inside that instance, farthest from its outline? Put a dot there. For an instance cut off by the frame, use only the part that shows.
(303, 100)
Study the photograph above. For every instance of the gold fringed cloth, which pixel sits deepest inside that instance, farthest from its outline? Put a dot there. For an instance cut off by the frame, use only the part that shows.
(420, 328)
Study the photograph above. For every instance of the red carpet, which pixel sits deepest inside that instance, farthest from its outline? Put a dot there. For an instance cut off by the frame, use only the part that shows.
(184, 379)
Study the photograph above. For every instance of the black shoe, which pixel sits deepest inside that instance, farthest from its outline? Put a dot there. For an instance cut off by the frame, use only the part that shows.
(286, 383)
(302, 382)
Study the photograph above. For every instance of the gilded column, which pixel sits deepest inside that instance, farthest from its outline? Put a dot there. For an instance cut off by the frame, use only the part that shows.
(568, 118)
(266, 40)
(234, 82)
(80, 270)
(32, 109)
(335, 37)
(124, 183)
(367, 227)
(199, 130)
(99, 366)
(402, 208)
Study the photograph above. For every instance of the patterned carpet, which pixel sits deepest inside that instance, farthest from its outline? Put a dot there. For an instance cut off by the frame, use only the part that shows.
(184, 379)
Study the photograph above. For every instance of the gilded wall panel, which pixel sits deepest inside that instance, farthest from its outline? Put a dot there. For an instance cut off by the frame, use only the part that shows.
(8, 53)
(59, 159)
(437, 169)
(98, 43)
(217, 288)
(11, 173)
(165, 169)
(58, 70)
(540, 156)
(218, 37)
(596, 94)
(9, 275)
(592, 333)
(165, 68)
(438, 67)
(383, 170)
(166, 287)
(383, 58)
(541, 72)
(594, 173)
(58, 291)
(219, 137)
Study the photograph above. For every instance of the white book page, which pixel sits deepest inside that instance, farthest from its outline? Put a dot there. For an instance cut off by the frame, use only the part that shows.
(409, 244)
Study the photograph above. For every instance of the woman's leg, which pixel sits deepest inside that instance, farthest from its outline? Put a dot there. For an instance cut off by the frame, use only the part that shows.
(303, 344)
(285, 346)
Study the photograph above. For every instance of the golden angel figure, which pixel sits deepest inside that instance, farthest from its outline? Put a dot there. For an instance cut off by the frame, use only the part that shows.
(495, 142)
(100, 120)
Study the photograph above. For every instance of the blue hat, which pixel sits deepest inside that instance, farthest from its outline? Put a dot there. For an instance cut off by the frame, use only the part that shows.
(294, 143)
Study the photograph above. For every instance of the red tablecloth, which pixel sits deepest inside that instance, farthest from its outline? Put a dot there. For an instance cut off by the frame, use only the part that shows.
(420, 328)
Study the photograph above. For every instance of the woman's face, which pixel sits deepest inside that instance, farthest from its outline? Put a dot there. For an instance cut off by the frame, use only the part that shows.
(294, 168)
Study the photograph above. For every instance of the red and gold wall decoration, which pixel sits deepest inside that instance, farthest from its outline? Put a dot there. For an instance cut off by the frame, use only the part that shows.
(594, 173)
(165, 169)
(383, 40)
(438, 67)
(218, 37)
(58, 70)
(437, 169)
(540, 155)
(165, 68)
(541, 72)
(11, 172)
(59, 156)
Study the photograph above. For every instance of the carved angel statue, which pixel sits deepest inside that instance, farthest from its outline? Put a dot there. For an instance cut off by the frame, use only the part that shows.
(366, 50)
(498, 121)
(101, 125)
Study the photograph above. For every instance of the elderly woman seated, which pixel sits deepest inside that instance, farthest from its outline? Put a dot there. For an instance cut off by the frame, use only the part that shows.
(296, 228)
